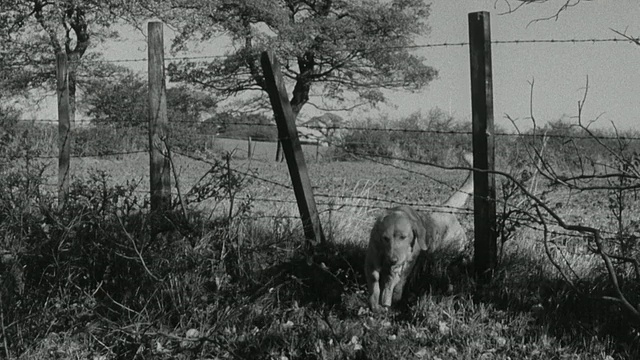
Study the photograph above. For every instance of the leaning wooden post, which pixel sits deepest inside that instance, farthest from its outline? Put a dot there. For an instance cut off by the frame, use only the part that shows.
(64, 128)
(483, 146)
(249, 148)
(288, 135)
(279, 156)
(160, 164)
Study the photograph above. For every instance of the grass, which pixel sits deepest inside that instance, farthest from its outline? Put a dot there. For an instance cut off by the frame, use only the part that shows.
(100, 286)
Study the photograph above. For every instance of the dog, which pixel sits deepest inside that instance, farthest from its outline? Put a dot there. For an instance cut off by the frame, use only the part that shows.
(395, 242)
(398, 237)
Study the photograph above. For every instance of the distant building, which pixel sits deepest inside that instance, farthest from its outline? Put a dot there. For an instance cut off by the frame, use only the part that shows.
(323, 130)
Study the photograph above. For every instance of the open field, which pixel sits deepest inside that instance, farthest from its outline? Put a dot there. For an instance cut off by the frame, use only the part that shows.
(242, 289)
(383, 184)
(394, 182)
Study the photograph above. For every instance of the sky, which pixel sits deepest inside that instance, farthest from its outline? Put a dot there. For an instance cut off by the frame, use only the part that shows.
(559, 71)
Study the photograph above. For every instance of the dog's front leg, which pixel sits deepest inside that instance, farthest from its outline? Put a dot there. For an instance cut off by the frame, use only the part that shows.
(392, 281)
(373, 285)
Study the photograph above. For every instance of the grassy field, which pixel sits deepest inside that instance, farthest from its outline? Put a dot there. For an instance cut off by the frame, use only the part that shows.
(241, 288)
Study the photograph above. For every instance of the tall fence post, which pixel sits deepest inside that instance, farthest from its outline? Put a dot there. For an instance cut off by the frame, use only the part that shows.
(288, 135)
(485, 254)
(160, 164)
(64, 127)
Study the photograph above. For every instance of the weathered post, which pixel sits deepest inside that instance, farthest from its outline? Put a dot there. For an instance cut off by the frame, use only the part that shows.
(160, 165)
(64, 127)
(249, 148)
(485, 254)
(278, 151)
(288, 135)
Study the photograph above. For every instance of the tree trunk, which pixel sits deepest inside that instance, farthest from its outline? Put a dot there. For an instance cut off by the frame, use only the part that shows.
(72, 95)
(300, 94)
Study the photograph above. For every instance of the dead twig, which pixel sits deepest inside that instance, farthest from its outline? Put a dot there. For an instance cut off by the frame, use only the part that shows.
(4, 331)
(176, 178)
(135, 248)
(547, 251)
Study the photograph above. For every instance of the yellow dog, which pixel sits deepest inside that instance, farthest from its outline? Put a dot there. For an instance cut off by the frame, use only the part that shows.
(398, 237)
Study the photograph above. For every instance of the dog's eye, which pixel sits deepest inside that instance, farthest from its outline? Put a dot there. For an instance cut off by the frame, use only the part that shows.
(386, 239)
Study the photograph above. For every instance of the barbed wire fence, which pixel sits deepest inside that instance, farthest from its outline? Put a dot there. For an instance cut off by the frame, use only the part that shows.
(416, 46)
(331, 201)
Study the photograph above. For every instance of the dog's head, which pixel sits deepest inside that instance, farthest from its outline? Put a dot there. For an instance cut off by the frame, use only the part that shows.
(397, 234)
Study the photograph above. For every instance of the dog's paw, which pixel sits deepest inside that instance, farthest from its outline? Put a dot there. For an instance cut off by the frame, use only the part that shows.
(378, 309)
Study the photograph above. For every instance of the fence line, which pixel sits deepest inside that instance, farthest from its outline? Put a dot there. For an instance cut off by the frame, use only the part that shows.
(367, 198)
(337, 206)
(126, 123)
(289, 187)
(438, 207)
(91, 155)
(333, 206)
(415, 46)
(379, 159)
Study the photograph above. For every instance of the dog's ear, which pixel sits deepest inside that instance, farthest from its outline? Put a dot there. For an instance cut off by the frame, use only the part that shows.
(420, 234)
(376, 231)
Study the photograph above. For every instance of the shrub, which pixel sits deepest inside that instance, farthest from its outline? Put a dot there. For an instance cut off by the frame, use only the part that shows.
(102, 140)
(241, 126)
(432, 139)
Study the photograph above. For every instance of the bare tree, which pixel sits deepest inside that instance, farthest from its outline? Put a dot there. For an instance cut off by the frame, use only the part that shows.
(595, 165)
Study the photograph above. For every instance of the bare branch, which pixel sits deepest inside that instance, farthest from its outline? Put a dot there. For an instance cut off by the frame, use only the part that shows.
(565, 5)
(53, 38)
(632, 39)
(547, 250)
(135, 248)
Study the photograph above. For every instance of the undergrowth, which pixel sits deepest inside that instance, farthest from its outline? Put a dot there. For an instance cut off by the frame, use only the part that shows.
(94, 283)
(97, 279)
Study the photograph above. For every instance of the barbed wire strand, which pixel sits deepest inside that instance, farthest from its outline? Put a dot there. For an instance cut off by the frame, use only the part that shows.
(357, 128)
(337, 207)
(99, 155)
(289, 187)
(415, 46)
(436, 207)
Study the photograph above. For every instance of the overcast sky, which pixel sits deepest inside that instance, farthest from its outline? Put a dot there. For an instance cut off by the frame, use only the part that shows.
(559, 70)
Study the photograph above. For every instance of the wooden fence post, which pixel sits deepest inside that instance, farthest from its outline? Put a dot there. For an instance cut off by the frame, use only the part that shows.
(64, 127)
(160, 164)
(288, 135)
(485, 255)
(279, 150)
(249, 148)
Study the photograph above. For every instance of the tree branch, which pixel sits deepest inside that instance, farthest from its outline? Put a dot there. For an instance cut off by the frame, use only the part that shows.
(38, 8)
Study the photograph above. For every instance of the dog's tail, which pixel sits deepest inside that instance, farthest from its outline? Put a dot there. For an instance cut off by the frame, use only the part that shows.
(460, 197)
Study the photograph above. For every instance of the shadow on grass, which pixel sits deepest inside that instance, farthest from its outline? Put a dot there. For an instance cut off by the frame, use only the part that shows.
(522, 287)
(575, 315)
(334, 280)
